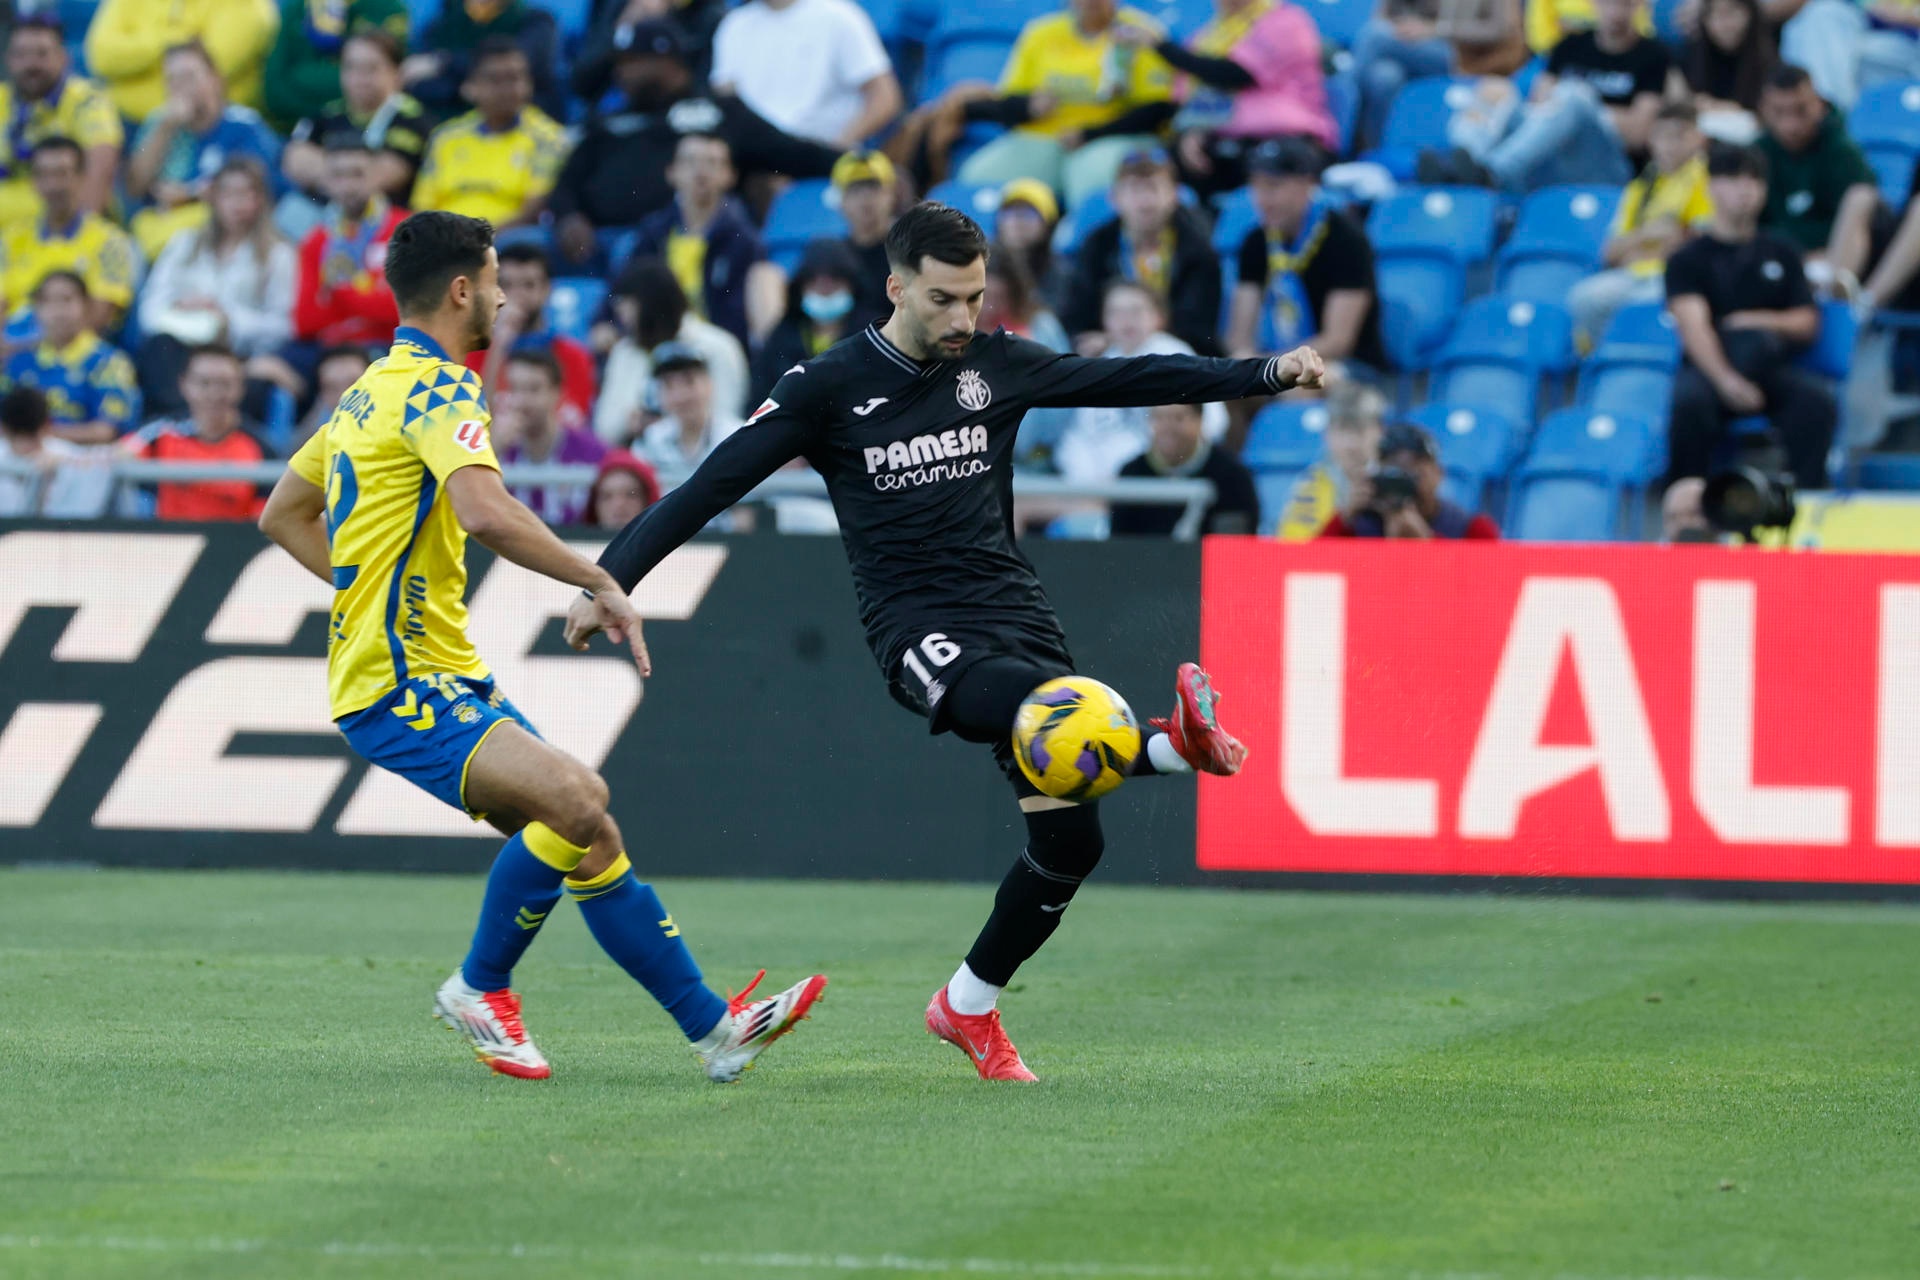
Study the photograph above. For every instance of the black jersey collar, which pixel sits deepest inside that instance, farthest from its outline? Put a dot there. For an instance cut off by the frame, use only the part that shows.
(895, 354)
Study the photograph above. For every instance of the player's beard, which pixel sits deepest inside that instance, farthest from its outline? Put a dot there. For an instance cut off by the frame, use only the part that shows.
(936, 348)
(479, 326)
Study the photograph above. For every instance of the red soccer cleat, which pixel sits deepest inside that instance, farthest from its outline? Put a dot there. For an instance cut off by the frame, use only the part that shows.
(981, 1038)
(1195, 731)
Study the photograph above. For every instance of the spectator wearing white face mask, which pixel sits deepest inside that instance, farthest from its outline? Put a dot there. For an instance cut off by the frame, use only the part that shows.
(823, 306)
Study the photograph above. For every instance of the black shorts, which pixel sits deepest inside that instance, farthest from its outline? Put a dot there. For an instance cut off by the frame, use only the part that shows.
(970, 683)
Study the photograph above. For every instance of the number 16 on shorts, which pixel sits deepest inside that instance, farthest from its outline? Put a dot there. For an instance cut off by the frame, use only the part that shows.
(933, 653)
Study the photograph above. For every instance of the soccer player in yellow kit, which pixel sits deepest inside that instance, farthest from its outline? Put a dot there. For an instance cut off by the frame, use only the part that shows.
(380, 503)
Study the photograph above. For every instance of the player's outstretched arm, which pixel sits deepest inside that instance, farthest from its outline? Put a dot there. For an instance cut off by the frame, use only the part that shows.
(296, 517)
(501, 523)
(1143, 381)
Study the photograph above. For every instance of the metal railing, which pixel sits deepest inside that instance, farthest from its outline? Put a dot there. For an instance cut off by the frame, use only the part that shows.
(1194, 496)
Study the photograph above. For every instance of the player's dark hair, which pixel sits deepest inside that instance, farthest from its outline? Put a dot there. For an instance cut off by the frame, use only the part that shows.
(541, 358)
(937, 231)
(389, 46)
(60, 142)
(64, 276)
(1788, 78)
(195, 48)
(528, 255)
(23, 411)
(428, 252)
(656, 292)
(496, 48)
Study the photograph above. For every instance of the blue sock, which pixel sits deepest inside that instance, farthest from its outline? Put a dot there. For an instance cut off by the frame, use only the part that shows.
(627, 920)
(522, 889)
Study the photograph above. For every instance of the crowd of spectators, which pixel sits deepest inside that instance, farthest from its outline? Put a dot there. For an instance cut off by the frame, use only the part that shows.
(194, 218)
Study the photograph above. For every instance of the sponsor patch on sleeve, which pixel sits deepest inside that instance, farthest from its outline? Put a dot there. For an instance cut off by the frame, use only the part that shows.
(471, 435)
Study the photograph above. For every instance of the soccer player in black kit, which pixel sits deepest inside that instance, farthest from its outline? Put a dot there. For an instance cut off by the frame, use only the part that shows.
(912, 425)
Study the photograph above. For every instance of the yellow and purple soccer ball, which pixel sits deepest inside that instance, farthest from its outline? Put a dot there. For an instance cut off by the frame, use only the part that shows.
(1075, 738)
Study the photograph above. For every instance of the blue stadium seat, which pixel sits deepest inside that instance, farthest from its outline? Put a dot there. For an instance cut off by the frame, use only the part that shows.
(1457, 221)
(1096, 209)
(1284, 440)
(1832, 355)
(978, 202)
(75, 16)
(1886, 124)
(571, 16)
(574, 303)
(1643, 324)
(1235, 216)
(1890, 471)
(993, 20)
(956, 63)
(420, 14)
(1556, 242)
(1418, 119)
(1477, 445)
(1578, 477)
(1180, 17)
(1340, 20)
(1534, 335)
(1421, 292)
(805, 211)
(1632, 371)
(1343, 102)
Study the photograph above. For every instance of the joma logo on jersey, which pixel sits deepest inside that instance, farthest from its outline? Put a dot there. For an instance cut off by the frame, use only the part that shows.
(919, 451)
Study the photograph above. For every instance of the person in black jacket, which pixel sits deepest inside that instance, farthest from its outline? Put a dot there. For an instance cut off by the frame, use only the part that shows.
(612, 28)
(1154, 242)
(618, 174)
(823, 306)
(1179, 451)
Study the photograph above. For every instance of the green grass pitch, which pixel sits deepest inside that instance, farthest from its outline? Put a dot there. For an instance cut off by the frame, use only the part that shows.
(236, 1075)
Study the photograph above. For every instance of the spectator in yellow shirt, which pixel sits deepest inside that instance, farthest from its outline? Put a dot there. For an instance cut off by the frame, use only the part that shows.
(1662, 209)
(129, 39)
(67, 238)
(500, 160)
(44, 99)
(1077, 100)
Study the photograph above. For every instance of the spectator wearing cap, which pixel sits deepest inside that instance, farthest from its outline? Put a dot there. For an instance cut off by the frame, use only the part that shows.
(622, 491)
(1401, 497)
(183, 144)
(652, 310)
(1023, 226)
(526, 278)
(500, 160)
(612, 28)
(617, 175)
(1075, 100)
(1152, 241)
(706, 238)
(369, 101)
(690, 425)
(44, 99)
(1306, 272)
(869, 201)
(67, 237)
(305, 68)
(814, 68)
(1740, 299)
(823, 306)
(1179, 450)
(1252, 72)
(530, 428)
(128, 42)
(441, 74)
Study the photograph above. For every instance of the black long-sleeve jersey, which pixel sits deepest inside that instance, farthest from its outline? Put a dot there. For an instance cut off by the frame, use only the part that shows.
(917, 460)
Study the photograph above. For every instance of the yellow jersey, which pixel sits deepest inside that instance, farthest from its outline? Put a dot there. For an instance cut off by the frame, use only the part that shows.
(399, 555)
(92, 248)
(1680, 197)
(487, 173)
(1095, 80)
(78, 109)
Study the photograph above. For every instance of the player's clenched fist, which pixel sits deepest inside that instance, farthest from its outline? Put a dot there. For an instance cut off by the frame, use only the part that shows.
(1302, 367)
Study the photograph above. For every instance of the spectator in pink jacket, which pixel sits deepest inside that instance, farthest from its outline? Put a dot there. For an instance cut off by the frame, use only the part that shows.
(1250, 74)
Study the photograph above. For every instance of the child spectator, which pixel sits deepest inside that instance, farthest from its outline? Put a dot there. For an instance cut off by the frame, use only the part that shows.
(1154, 242)
(342, 294)
(183, 144)
(622, 491)
(1663, 208)
(500, 160)
(129, 41)
(65, 488)
(368, 101)
(653, 310)
(67, 238)
(92, 394)
(213, 431)
(1178, 449)
(706, 238)
(45, 99)
(526, 277)
(231, 281)
(308, 61)
(530, 430)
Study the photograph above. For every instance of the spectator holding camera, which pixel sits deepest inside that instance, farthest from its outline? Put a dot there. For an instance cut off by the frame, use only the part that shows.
(1178, 449)
(1740, 299)
(1402, 496)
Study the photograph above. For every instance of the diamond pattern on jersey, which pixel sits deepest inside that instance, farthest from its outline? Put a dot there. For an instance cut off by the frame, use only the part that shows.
(447, 387)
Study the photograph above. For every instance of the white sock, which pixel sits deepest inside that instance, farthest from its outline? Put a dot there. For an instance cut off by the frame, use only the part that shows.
(1162, 756)
(466, 988)
(970, 996)
(716, 1037)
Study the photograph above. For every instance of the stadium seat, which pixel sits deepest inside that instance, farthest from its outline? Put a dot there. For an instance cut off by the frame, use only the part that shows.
(960, 62)
(1343, 101)
(1233, 218)
(1477, 445)
(1579, 475)
(1643, 324)
(571, 16)
(804, 211)
(1417, 121)
(1340, 20)
(978, 202)
(1284, 440)
(1832, 355)
(1421, 292)
(1555, 242)
(1632, 371)
(574, 303)
(1536, 335)
(1886, 124)
(1096, 209)
(999, 21)
(1456, 221)
(420, 14)
(1180, 17)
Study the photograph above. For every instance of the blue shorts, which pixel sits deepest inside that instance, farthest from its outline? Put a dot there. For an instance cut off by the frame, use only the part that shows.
(428, 729)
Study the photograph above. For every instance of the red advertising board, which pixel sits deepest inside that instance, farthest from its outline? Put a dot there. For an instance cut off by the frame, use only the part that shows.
(1690, 713)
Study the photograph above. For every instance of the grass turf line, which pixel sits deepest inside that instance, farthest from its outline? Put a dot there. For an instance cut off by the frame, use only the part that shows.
(235, 1075)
